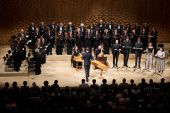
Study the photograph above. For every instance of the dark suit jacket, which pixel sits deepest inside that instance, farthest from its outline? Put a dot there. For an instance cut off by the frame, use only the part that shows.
(87, 57)
(115, 48)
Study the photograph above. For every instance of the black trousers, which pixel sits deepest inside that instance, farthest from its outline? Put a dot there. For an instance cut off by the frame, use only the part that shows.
(126, 57)
(106, 49)
(59, 50)
(115, 58)
(137, 59)
(87, 70)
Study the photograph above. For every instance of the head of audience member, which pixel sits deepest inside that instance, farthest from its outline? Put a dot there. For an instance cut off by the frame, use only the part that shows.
(25, 83)
(162, 80)
(14, 84)
(55, 82)
(46, 83)
(104, 81)
(151, 81)
(131, 81)
(114, 81)
(34, 84)
(143, 81)
(94, 81)
(83, 81)
(123, 80)
(6, 84)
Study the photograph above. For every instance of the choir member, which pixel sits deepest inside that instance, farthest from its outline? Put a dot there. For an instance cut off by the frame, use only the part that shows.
(49, 42)
(101, 27)
(92, 33)
(138, 53)
(59, 44)
(137, 29)
(126, 46)
(160, 60)
(149, 57)
(110, 27)
(42, 29)
(153, 39)
(78, 40)
(144, 38)
(53, 32)
(115, 52)
(31, 33)
(88, 42)
(106, 41)
(82, 33)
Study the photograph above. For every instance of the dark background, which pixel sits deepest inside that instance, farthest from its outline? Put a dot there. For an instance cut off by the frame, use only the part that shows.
(16, 14)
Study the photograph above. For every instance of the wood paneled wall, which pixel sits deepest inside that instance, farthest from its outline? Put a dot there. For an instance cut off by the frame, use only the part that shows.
(15, 14)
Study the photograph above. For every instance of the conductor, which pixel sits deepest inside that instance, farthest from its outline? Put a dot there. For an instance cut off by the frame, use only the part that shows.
(87, 57)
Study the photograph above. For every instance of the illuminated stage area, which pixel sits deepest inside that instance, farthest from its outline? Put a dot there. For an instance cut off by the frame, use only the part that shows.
(58, 67)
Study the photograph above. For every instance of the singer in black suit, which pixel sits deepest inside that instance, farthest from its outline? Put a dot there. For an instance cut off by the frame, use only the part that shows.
(138, 53)
(115, 52)
(126, 46)
(87, 57)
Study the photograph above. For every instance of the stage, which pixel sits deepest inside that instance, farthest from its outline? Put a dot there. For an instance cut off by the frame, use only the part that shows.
(58, 67)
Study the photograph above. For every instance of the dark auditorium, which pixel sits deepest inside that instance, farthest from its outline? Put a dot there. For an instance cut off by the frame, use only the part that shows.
(80, 56)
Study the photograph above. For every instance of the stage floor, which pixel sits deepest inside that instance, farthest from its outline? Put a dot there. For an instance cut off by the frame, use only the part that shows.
(58, 67)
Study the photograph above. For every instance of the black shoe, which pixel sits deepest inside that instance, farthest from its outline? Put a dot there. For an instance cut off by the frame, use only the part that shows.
(134, 66)
(87, 80)
(139, 67)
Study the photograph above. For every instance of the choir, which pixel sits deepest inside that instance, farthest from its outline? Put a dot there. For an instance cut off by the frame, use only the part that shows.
(120, 38)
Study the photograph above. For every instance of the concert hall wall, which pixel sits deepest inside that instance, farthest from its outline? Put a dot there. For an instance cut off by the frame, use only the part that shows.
(16, 14)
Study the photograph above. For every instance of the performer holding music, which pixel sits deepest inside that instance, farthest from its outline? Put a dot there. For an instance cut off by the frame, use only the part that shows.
(126, 45)
(160, 59)
(115, 52)
(138, 53)
(149, 57)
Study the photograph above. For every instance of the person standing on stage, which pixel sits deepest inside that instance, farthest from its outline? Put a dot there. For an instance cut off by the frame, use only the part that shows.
(149, 57)
(126, 46)
(70, 37)
(160, 65)
(138, 53)
(87, 41)
(106, 41)
(87, 57)
(101, 27)
(78, 40)
(115, 52)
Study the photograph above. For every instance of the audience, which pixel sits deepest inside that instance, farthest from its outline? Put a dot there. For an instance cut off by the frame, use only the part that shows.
(118, 98)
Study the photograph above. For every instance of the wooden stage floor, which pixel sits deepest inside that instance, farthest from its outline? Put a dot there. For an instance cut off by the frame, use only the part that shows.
(59, 68)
